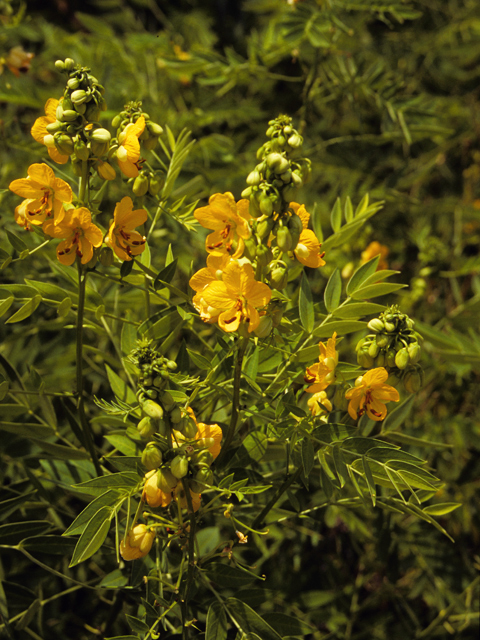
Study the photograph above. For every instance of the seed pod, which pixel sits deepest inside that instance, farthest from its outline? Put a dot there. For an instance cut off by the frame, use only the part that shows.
(402, 359)
(179, 467)
(152, 409)
(152, 456)
(146, 427)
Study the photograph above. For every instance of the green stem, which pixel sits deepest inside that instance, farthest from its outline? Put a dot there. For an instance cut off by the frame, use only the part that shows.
(83, 183)
(258, 522)
(237, 378)
(82, 283)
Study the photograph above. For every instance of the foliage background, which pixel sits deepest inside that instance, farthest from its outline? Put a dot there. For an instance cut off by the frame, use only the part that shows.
(387, 97)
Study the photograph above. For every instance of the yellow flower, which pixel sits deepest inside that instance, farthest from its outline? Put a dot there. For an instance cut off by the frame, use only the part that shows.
(208, 431)
(138, 542)
(154, 496)
(235, 299)
(322, 373)
(121, 236)
(45, 193)
(315, 404)
(128, 153)
(370, 394)
(21, 215)
(180, 496)
(375, 249)
(41, 135)
(79, 233)
(105, 170)
(229, 222)
(308, 248)
(18, 60)
(200, 280)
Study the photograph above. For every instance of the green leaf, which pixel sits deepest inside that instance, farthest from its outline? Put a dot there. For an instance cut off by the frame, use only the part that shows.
(333, 291)
(287, 625)
(362, 206)
(7, 507)
(77, 527)
(120, 388)
(253, 448)
(342, 327)
(216, 628)
(441, 508)
(137, 625)
(25, 311)
(369, 480)
(60, 451)
(317, 225)
(64, 307)
(26, 429)
(336, 215)
(328, 433)
(114, 580)
(121, 480)
(51, 291)
(361, 274)
(16, 242)
(93, 536)
(15, 532)
(340, 466)
(165, 275)
(397, 416)
(305, 303)
(4, 386)
(358, 309)
(181, 148)
(348, 211)
(200, 361)
(376, 290)
(5, 305)
(53, 545)
(308, 456)
(251, 367)
(126, 268)
(128, 338)
(249, 621)
(226, 576)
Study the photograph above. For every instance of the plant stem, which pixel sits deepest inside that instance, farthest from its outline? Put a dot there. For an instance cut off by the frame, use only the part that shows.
(258, 522)
(82, 283)
(237, 378)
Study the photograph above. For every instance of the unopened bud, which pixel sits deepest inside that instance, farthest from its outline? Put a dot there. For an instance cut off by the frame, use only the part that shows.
(373, 350)
(64, 143)
(414, 352)
(264, 328)
(152, 456)
(152, 409)
(146, 427)
(79, 96)
(412, 381)
(81, 150)
(376, 325)
(140, 185)
(279, 278)
(284, 239)
(179, 467)
(69, 64)
(402, 359)
(166, 481)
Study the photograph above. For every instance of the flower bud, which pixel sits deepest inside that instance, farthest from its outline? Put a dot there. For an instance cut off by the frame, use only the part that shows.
(59, 65)
(295, 141)
(152, 456)
(203, 457)
(100, 135)
(204, 477)
(264, 328)
(382, 340)
(92, 112)
(254, 178)
(413, 381)
(81, 150)
(167, 400)
(99, 149)
(79, 96)
(246, 193)
(175, 415)
(64, 144)
(80, 108)
(373, 350)
(105, 170)
(179, 467)
(138, 542)
(266, 205)
(155, 183)
(140, 185)
(414, 352)
(146, 427)
(365, 360)
(73, 83)
(380, 359)
(166, 481)
(284, 239)
(402, 359)
(152, 409)
(69, 64)
(376, 325)
(389, 327)
(390, 357)
(55, 127)
(264, 227)
(279, 278)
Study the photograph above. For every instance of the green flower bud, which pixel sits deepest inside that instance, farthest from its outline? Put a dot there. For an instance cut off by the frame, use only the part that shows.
(284, 239)
(69, 64)
(286, 177)
(376, 325)
(152, 409)
(254, 178)
(204, 477)
(63, 143)
(250, 249)
(99, 149)
(150, 143)
(413, 381)
(69, 115)
(80, 108)
(274, 161)
(172, 365)
(106, 257)
(279, 278)
(155, 129)
(166, 481)
(402, 359)
(263, 255)
(55, 127)
(73, 83)
(414, 352)
(152, 456)
(297, 179)
(393, 380)
(179, 467)
(360, 344)
(77, 167)
(187, 427)
(92, 112)
(383, 340)
(380, 359)
(264, 227)
(167, 401)
(116, 122)
(59, 65)
(81, 150)
(140, 185)
(390, 327)
(100, 135)
(203, 457)
(155, 184)
(146, 427)
(266, 205)
(175, 415)
(295, 141)
(246, 193)
(373, 350)
(365, 360)
(295, 227)
(79, 96)
(254, 206)
(151, 393)
(391, 354)
(264, 328)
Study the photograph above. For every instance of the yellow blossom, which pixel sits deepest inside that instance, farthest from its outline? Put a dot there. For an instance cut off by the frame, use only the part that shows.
(319, 404)
(121, 235)
(154, 496)
(45, 193)
(375, 249)
(41, 135)
(229, 222)
(105, 170)
(370, 394)
(128, 152)
(138, 542)
(322, 373)
(21, 215)
(79, 235)
(200, 280)
(236, 298)
(308, 248)
(17, 60)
